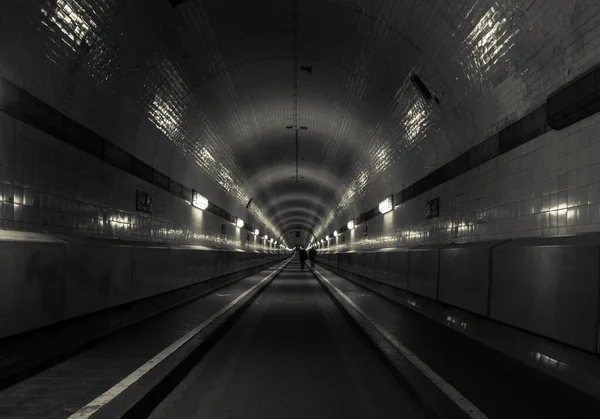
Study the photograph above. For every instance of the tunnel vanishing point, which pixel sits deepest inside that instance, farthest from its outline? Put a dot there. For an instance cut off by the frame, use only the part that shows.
(165, 165)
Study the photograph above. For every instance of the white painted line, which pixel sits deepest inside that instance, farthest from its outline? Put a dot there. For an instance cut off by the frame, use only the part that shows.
(102, 400)
(452, 393)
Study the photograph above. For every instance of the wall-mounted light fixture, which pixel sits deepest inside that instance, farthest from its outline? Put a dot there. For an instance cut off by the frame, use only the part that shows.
(327, 238)
(266, 237)
(386, 205)
(256, 232)
(335, 233)
(199, 201)
(350, 225)
(239, 222)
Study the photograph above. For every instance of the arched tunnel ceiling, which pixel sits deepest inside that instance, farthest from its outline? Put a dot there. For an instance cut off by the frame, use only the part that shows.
(222, 82)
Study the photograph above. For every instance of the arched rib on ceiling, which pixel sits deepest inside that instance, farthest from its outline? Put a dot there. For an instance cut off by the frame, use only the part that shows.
(295, 215)
(298, 234)
(294, 200)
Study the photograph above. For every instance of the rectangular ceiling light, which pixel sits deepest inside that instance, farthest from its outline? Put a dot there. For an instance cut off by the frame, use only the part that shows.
(386, 205)
(199, 201)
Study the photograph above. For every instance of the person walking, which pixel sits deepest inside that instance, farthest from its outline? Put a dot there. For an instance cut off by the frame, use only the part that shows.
(303, 256)
(312, 255)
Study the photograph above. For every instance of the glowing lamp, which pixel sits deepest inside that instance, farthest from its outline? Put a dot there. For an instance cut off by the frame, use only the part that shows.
(386, 205)
(199, 201)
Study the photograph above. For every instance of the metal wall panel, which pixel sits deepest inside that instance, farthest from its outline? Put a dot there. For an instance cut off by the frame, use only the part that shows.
(549, 287)
(151, 271)
(201, 265)
(382, 267)
(370, 264)
(32, 288)
(465, 275)
(99, 275)
(182, 267)
(399, 268)
(214, 263)
(423, 276)
(45, 279)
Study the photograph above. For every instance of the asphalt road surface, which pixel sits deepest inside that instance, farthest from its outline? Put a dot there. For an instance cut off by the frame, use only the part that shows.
(292, 354)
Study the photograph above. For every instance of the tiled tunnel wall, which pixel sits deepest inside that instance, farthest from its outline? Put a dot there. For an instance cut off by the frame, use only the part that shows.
(549, 186)
(49, 186)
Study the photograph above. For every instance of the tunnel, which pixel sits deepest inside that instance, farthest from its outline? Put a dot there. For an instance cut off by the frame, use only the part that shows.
(299, 209)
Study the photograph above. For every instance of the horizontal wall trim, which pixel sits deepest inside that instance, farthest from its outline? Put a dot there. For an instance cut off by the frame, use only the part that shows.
(23, 106)
(575, 101)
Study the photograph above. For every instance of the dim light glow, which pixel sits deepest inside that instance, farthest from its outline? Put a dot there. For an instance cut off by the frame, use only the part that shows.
(350, 225)
(239, 222)
(386, 205)
(199, 201)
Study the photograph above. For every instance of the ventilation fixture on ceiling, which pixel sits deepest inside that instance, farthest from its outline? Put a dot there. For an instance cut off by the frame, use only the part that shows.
(420, 86)
(307, 68)
(176, 3)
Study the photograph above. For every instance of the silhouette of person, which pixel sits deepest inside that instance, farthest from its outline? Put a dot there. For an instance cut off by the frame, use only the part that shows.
(312, 255)
(303, 257)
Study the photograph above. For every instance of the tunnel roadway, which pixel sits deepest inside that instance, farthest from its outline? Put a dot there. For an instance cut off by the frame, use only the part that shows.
(292, 354)
(288, 349)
